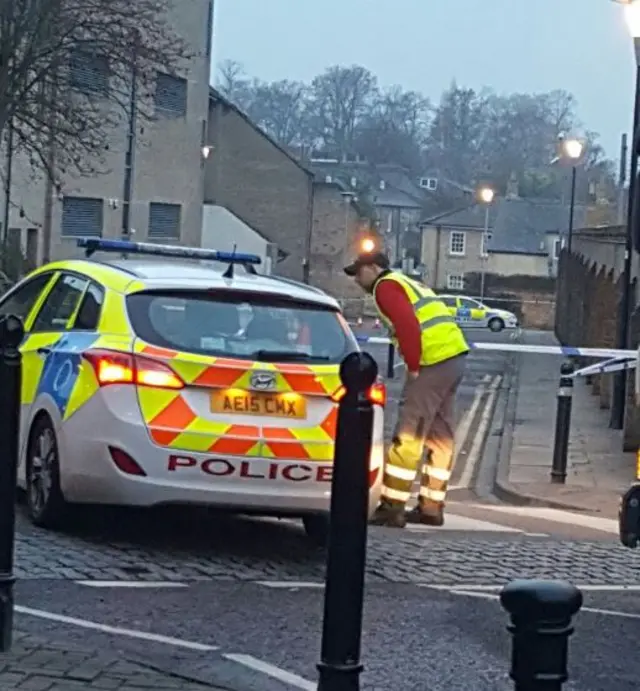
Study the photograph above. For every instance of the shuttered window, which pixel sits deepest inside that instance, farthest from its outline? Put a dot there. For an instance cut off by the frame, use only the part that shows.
(82, 216)
(88, 72)
(171, 96)
(164, 220)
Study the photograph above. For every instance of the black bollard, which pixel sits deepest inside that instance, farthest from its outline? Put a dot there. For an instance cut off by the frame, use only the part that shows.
(11, 335)
(541, 614)
(563, 424)
(629, 516)
(340, 664)
(391, 361)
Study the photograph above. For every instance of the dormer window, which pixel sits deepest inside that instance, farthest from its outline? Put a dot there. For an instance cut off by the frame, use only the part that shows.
(430, 184)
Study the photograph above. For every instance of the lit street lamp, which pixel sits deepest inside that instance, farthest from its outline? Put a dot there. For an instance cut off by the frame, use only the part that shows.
(632, 17)
(485, 195)
(572, 150)
(367, 245)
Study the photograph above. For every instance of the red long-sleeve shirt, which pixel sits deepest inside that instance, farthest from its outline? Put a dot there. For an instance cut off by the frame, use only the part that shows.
(396, 307)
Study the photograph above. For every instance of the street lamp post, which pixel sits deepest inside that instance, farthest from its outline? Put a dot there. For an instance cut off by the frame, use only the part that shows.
(572, 150)
(486, 195)
(632, 16)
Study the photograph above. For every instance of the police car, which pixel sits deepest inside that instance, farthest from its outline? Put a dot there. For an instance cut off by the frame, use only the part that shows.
(473, 313)
(154, 382)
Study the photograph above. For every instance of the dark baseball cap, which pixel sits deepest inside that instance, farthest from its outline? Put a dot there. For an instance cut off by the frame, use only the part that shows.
(367, 259)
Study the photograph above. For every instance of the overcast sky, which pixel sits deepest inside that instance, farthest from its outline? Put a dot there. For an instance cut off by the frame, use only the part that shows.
(510, 45)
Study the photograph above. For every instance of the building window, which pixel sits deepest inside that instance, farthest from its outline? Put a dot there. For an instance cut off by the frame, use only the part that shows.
(455, 281)
(32, 248)
(170, 99)
(82, 216)
(430, 184)
(88, 72)
(164, 220)
(557, 247)
(457, 242)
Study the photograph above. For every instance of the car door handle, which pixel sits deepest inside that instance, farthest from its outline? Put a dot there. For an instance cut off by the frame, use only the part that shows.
(43, 351)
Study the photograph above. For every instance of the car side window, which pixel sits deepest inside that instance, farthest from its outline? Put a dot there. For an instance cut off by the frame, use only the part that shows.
(449, 301)
(466, 303)
(60, 304)
(89, 313)
(21, 300)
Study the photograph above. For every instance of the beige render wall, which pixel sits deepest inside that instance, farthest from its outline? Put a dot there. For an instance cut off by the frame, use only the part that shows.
(518, 265)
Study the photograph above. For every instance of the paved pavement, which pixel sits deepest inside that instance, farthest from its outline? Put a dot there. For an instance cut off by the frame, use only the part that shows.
(598, 470)
(35, 664)
(236, 602)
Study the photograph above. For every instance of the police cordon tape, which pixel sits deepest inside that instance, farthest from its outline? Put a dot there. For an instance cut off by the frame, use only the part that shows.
(615, 360)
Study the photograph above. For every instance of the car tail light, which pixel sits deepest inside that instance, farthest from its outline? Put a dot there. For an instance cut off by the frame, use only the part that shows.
(377, 394)
(112, 367)
(125, 463)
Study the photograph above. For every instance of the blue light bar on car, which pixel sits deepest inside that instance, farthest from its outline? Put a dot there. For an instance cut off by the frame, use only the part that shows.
(92, 245)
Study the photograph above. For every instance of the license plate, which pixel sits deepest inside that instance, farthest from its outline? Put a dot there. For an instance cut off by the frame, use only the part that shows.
(285, 405)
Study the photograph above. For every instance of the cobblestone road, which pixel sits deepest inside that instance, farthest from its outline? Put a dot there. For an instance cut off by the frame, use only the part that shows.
(225, 548)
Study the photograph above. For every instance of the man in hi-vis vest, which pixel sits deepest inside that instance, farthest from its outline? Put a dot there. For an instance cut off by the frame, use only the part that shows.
(433, 348)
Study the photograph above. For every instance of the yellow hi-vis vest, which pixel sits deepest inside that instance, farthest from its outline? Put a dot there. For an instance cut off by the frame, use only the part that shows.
(442, 338)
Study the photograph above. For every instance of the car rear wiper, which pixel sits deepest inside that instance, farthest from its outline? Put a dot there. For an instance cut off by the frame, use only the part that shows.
(286, 355)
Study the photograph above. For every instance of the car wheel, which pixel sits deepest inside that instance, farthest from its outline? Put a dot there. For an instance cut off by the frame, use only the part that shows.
(496, 324)
(317, 528)
(45, 504)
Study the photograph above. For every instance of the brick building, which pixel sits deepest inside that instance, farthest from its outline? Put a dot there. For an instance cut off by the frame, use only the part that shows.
(334, 239)
(257, 180)
(314, 222)
(167, 192)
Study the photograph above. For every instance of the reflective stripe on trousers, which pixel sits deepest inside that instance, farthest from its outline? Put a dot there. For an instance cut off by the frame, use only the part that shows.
(426, 418)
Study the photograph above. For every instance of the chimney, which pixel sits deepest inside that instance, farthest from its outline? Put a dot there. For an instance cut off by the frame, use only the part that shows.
(512, 187)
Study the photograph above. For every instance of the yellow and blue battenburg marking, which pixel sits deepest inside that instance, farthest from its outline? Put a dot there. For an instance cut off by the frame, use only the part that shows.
(62, 368)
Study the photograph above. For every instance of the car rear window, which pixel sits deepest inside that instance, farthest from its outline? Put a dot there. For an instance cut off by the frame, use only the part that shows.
(256, 327)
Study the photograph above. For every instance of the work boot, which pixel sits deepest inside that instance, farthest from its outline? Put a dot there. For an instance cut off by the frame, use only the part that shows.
(389, 514)
(427, 513)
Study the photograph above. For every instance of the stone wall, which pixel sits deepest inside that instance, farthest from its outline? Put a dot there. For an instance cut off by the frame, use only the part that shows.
(531, 298)
(589, 291)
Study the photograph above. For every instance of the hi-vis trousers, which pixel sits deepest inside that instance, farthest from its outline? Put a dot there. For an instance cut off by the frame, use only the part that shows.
(426, 418)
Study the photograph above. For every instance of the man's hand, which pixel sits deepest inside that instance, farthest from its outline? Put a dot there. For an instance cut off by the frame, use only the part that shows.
(411, 376)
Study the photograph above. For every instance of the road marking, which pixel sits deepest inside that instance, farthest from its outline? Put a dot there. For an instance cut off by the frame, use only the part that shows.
(115, 630)
(463, 524)
(465, 424)
(586, 587)
(131, 584)
(591, 610)
(290, 584)
(605, 525)
(481, 433)
(272, 671)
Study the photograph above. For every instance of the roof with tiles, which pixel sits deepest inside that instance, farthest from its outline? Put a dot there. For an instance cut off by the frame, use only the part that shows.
(518, 226)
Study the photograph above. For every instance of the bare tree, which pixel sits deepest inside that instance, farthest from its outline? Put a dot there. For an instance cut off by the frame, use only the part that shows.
(66, 70)
(280, 109)
(233, 83)
(340, 97)
(395, 128)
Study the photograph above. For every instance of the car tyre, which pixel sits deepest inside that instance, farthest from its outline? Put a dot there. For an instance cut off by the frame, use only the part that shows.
(496, 324)
(45, 503)
(316, 527)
